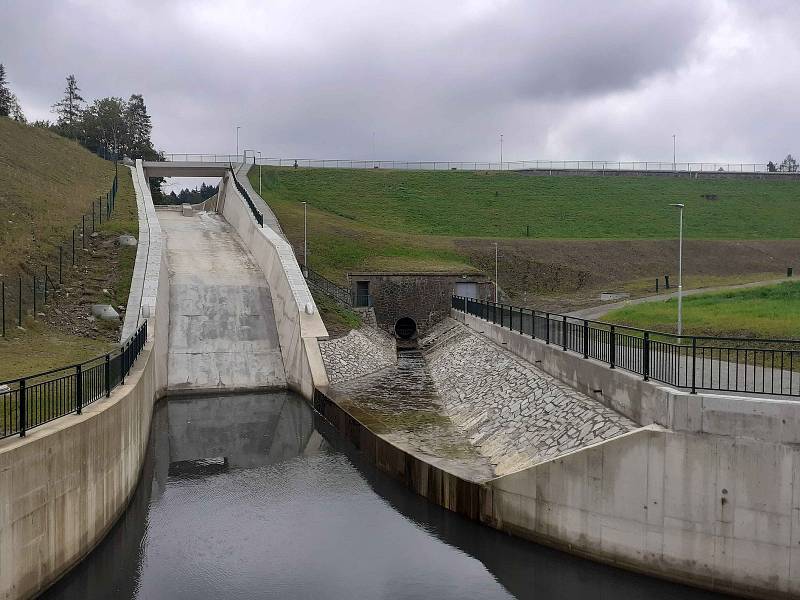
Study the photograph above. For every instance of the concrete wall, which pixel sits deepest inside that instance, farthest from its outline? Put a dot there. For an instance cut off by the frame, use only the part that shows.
(65, 484)
(296, 316)
(709, 498)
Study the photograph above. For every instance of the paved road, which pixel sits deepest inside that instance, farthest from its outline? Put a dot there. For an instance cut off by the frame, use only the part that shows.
(596, 312)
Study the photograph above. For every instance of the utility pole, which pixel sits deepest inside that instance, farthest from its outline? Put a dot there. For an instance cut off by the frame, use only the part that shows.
(674, 167)
(238, 127)
(259, 173)
(305, 236)
(680, 270)
(495, 272)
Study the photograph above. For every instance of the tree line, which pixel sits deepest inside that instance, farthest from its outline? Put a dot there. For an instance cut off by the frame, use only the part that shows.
(187, 196)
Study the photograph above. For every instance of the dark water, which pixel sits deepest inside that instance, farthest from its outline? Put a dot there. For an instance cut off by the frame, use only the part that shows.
(253, 496)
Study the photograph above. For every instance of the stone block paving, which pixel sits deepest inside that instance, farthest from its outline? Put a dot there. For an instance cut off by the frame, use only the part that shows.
(514, 413)
(359, 353)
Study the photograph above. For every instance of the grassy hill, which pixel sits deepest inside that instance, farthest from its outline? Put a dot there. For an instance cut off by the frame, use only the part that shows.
(48, 182)
(768, 311)
(586, 233)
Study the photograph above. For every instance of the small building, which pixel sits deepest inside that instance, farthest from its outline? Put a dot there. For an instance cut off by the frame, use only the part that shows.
(423, 297)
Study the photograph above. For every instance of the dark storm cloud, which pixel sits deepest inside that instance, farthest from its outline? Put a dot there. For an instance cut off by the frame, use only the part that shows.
(423, 79)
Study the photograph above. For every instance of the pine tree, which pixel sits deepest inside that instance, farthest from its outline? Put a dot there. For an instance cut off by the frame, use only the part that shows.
(69, 109)
(139, 127)
(5, 94)
(15, 111)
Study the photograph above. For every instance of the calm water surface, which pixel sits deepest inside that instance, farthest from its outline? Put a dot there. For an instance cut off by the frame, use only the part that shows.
(253, 496)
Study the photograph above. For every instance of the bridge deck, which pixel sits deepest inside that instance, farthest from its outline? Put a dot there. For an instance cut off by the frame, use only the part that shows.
(222, 331)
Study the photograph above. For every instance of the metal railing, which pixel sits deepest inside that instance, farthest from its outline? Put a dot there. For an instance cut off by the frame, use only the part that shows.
(34, 400)
(721, 364)
(31, 287)
(327, 287)
(256, 213)
(644, 166)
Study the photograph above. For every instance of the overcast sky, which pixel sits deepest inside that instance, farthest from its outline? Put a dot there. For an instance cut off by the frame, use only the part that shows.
(431, 80)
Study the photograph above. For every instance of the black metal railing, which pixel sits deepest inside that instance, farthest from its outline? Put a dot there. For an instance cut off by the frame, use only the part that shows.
(723, 364)
(327, 287)
(256, 213)
(31, 401)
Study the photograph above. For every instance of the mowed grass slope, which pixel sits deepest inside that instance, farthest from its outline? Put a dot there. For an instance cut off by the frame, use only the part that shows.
(48, 182)
(768, 311)
(502, 204)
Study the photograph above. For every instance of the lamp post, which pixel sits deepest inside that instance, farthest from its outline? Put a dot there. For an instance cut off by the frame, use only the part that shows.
(305, 236)
(680, 269)
(674, 167)
(495, 272)
(238, 127)
(259, 173)
(501, 151)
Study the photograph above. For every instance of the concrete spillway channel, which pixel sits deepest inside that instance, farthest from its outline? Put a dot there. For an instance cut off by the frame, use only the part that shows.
(222, 332)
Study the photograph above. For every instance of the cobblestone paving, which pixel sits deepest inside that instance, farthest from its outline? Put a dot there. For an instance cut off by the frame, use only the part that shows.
(359, 353)
(515, 414)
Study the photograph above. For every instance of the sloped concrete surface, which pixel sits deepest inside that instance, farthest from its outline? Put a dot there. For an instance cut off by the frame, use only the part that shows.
(222, 325)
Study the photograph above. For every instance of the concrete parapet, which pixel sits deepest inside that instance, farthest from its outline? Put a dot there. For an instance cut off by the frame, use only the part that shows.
(296, 316)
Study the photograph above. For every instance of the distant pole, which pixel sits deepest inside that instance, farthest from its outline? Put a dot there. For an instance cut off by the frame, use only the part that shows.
(495, 272)
(373, 148)
(674, 164)
(259, 173)
(238, 127)
(305, 236)
(501, 153)
(680, 269)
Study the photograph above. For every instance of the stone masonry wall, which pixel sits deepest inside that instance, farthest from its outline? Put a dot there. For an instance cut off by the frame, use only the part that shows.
(359, 353)
(514, 413)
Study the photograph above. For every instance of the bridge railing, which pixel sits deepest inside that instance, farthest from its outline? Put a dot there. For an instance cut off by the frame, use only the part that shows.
(722, 364)
(34, 400)
(654, 166)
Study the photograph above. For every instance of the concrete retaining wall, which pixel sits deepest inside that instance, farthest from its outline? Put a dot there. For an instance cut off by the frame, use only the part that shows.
(65, 484)
(711, 500)
(296, 316)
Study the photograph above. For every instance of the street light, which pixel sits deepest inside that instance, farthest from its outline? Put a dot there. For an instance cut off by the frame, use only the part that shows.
(501, 151)
(238, 127)
(680, 270)
(495, 272)
(259, 173)
(305, 236)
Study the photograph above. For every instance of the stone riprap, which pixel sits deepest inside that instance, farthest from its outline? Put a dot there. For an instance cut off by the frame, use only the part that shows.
(515, 414)
(359, 353)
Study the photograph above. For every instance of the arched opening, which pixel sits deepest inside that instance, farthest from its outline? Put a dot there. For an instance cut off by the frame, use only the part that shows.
(405, 328)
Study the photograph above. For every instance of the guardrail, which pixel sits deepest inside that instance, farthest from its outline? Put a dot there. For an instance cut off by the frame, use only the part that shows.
(721, 364)
(644, 166)
(28, 402)
(256, 213)
(328, 287)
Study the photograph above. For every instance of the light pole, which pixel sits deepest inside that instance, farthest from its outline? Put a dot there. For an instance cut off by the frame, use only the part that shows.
(305, 236)
(501, 151)
(674, 168)
(495, 272)
(680, 270)
(259, 173)
(238, 127)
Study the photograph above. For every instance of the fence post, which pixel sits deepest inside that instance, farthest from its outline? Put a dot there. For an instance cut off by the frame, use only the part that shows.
(34, 296)
(612, 351)
(22, 408)
(45, 284)
(83, 232)
(123, 362)
(73, 246)
(501, 315)
(108, 375)
(564, 332)
(60, 254)
(547, 322)
(694, 365)
(100, 210)
(19, 305)
(646, 356)
(533, 324)
(78, 389)
(585, 338)
(3, 293)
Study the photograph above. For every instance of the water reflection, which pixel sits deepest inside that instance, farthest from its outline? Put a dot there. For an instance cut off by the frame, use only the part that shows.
(243, 497)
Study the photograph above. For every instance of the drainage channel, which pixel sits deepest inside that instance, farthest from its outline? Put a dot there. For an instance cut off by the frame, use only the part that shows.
(255, 496)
